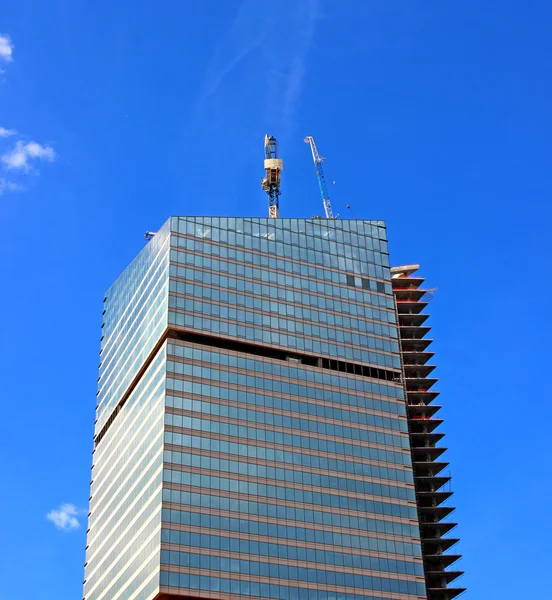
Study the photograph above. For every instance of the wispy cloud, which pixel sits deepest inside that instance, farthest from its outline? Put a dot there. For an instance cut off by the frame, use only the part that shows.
(241, 38)
(7, 132)
(24, 153)
(271, 75)
(307, 15)
(6, 48)
(65, 517)
(9, 186)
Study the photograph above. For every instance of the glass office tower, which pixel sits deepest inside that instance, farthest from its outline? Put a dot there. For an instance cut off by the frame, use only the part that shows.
(252, 437)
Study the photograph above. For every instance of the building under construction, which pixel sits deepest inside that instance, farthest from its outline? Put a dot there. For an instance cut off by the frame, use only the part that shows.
(266, 421)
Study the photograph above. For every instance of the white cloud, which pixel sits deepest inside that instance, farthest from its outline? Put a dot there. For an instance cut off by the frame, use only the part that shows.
(23, 153)
(37, 151)
(6, 132)
(65, 517)
(9, 186)
(6, 48)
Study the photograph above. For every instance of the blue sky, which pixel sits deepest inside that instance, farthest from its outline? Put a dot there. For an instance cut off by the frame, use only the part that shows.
(434, 116)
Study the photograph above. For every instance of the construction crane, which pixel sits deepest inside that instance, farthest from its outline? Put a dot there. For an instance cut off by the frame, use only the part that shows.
(271, 183)
(318, 160)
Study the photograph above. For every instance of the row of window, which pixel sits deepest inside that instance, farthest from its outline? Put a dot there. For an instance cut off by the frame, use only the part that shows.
(315, 227)
(251, 588)
(255, 416)
(277, 322)
(209, 463)
(275, 338)
(298, 245)
(196, 388)
(263, 312)
(290, 513)
(286, 370)
(261, 286)
(350, 465)
(344, 229)
(249, 488)
(288, 552)
(327, 262)
(368, 284)
(290, 301)
(278, 571)
(259, 528)
(280, 268)
(287, 439)
(284, 532)
(272, 402)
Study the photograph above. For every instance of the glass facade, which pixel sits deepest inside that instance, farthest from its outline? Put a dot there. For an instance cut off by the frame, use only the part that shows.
(253, 401)
(135, 317)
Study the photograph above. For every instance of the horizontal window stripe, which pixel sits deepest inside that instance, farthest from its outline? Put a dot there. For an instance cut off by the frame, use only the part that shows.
(290, 553)
(304, 514)
(319, 533)
(284, 339)
(288, 441)
(245, 587)
(253, 395)
(213, 466)
(281, 571)
(210, 250)
(307, 328)
(314, 464)
(281, 454)
(184, 264)
(320, 382)
(328, 539)
(250, 488)
(219, 424)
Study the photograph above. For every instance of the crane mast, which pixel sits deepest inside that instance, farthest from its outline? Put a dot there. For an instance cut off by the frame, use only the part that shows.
(271, 183)
(318, 160)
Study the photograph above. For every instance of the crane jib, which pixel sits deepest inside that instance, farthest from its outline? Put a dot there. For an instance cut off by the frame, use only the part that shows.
(318, 160)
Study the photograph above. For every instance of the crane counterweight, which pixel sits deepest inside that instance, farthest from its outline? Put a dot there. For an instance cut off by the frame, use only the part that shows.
(271, 182)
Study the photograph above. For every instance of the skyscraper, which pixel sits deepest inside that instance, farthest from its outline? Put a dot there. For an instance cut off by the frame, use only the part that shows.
(254, 436)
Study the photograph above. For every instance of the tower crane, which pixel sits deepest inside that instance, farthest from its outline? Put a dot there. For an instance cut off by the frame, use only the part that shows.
(318, 160)
(271, 183)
